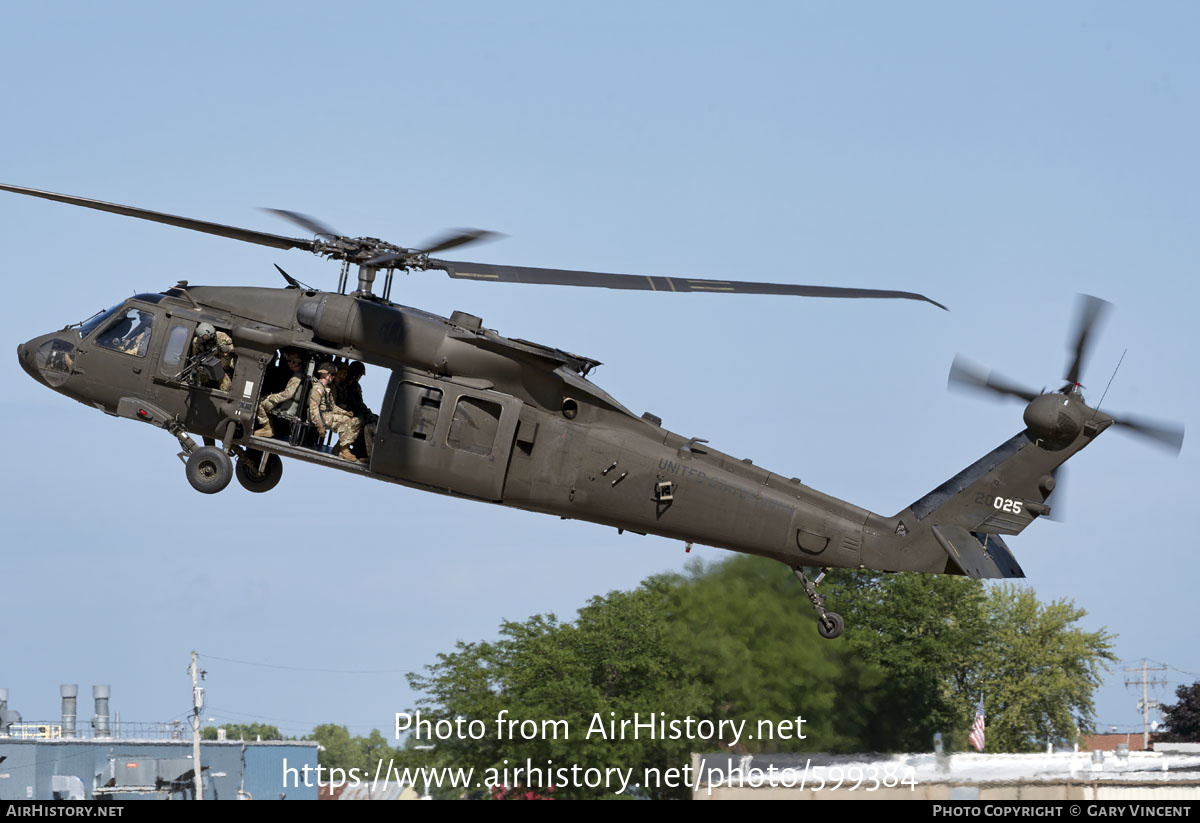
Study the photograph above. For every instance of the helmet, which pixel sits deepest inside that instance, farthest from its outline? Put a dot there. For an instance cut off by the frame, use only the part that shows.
(205, 332)
(326, 367)
(357, 369)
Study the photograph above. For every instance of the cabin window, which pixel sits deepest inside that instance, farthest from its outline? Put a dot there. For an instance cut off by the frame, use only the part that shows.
(474, 426)
(172, 359)
(415, 411)
(129, 333)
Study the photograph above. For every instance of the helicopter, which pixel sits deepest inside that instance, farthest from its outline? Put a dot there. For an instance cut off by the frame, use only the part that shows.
(470, 413)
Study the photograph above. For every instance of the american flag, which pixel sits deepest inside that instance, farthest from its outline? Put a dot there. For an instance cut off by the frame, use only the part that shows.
(977, 737)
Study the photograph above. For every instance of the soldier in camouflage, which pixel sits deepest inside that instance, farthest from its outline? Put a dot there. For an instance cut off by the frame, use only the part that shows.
(210, 341)
(350, 398)
(326, 415)
(288, 398)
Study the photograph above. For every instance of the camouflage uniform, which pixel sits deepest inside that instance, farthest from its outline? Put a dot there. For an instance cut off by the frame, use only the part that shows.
(222, 347)
(136, 344)
(289, 398)
(349, 396)
(324, 413)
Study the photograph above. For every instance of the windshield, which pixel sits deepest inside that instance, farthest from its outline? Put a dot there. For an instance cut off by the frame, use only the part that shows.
(92, 323)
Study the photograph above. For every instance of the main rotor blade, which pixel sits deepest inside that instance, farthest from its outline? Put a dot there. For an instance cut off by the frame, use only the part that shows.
(1167, 435)
(458, 237)
(233, 232)
(965, 373)
(310, 224)
(607, 280)
(1091, 310)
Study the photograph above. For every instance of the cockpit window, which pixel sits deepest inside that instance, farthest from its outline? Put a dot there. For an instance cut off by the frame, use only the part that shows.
(95, 321)
(129, 333)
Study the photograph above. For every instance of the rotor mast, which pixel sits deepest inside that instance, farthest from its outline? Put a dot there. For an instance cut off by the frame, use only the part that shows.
(366, 280)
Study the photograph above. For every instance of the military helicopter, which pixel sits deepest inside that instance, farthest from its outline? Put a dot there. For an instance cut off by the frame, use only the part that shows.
(470, 413)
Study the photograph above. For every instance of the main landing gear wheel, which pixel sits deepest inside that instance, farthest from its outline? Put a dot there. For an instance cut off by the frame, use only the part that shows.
(209, 469)
(256, 481)
(831, 625)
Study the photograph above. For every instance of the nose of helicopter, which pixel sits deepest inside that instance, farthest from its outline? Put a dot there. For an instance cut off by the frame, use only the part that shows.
(47, 359)
(25, 358)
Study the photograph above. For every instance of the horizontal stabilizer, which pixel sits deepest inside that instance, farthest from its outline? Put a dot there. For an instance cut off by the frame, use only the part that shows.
(978, 555)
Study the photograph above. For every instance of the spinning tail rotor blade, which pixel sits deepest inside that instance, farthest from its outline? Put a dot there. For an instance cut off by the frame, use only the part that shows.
(1057, 498)
(1091, 311)
(1168, 436)
(964, 373)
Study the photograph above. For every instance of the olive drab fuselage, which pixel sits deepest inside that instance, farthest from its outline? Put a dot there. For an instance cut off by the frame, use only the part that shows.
(471, 413)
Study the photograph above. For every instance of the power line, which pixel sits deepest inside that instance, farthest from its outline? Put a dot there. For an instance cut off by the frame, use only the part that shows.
(304, 668)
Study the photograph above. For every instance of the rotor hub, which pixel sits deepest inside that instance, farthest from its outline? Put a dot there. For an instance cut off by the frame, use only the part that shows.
(1055, 418)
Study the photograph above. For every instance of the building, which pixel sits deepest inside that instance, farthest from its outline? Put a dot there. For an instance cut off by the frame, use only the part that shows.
(1056, 776)
(60, 760)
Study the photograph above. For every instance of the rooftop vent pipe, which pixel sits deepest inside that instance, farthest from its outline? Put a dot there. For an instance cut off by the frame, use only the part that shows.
(69, 692)
(100, 721)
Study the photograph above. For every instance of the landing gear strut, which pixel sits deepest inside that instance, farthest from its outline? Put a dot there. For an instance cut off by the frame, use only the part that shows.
(829, 624)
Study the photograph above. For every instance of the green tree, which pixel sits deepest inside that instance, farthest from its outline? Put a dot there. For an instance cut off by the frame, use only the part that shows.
(921, 632)
(1037, 671)
(1183, 718)
(339, 750)
(243, 731)
(735, 641)
(616, 660)
(745, 631)
(946, 640)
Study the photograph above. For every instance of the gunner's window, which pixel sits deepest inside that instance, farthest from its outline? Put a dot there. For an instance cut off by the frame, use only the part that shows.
(129, 333)
(172, 358)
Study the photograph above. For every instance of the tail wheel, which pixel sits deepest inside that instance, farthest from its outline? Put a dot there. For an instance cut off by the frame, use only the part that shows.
(209, 469)
(256, 481)
(830, 625)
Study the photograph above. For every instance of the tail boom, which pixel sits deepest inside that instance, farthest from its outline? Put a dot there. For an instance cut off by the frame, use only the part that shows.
(957, 527)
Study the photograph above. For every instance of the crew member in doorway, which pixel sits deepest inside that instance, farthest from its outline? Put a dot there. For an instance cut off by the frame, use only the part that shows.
(210, 341)
(287, 400)
(326, 415)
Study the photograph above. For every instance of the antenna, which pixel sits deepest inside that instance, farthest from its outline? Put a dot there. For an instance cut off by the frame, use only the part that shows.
(1110, 380)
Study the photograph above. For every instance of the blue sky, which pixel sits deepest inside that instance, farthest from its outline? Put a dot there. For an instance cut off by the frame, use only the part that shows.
(998, 158)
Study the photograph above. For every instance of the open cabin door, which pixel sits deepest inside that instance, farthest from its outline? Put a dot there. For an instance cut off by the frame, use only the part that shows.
(441, 434)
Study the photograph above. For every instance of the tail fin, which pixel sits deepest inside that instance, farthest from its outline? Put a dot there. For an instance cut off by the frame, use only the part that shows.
(999, 494)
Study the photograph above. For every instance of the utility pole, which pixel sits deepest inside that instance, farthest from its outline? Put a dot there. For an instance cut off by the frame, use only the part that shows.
(197, 705)
(1146, 704)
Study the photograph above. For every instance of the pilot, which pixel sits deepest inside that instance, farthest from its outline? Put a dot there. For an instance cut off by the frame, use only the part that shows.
(210, 341)
(288, 398)
(325, 414)
(135, 342)
(350, 398)
(114, 336)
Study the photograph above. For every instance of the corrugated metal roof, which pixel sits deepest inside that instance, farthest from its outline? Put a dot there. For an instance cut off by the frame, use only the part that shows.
(370, 790)
(1057, 767)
